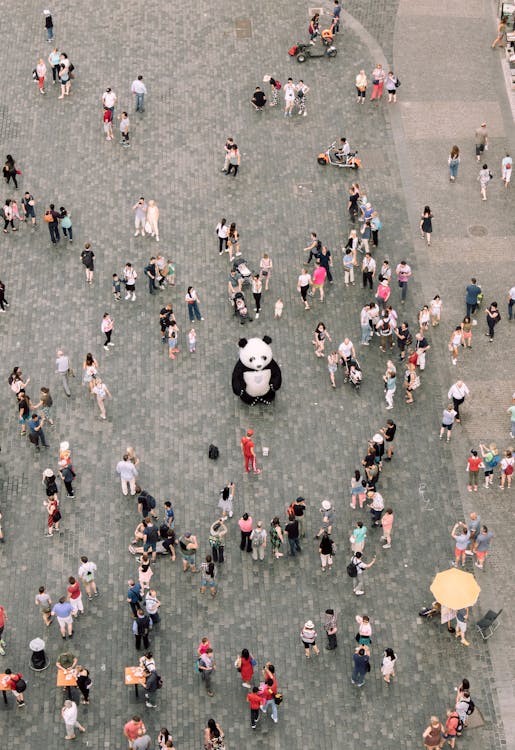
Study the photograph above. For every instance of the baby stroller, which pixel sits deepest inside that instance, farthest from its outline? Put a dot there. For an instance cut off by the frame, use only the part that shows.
(240, 308)
(354, 374)
(243, 271)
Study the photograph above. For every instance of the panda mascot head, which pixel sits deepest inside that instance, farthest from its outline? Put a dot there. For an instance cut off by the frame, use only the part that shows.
(256, 376)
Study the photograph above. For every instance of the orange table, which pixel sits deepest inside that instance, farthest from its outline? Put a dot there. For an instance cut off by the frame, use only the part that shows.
(135, 676)
(4, 685)
(67, 679)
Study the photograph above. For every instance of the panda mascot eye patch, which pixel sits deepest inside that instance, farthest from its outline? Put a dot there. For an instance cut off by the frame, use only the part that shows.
(256, 376)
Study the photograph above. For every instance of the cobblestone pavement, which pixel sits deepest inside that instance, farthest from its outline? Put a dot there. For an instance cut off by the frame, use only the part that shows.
(171, 411)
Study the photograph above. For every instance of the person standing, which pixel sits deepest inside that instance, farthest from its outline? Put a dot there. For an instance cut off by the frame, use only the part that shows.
(128, 474)
(361, 87)
(106, 327)
(481, 137)
(49, 25)
(426, 224)
(378, 79)
(130, 275)
(301, 92)
(52, 218)
(188, 547)
(83, 683)
(124, 129)
(472, 294)
(245, 523)
(86, 574)
(193, 300)
(318, 279)
(36, 433)
(258, 541)
(41, 73)
(54, 59)
(482, 546)
(458, 393)
(326, 551)
(308, 637)
(454, 162)
(66, 223)
(289, 97)
(276, 537)
(87, 257)
(293, 532)
(403, 272)
(493, 316)
(17, 685)
(75, 597)
(139, 89)
(28, 204)
(257, 290)
(141, 629)
(331, 629)
(335, 22)
(506, 169)
(228, 149)
(461, 535)
(216, 540)
(358, 583)
(360, 662)
(387, 524)
(152, 221)
(392, 84)
(62, 368)
(140, 215)
(3, 620)
(249, 453)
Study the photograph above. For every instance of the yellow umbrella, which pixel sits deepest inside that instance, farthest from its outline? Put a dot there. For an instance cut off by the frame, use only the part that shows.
(455, 589)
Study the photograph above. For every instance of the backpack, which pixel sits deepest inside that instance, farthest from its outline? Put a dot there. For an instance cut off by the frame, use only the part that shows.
(352, 570)
(20, 685)
(471, 707)
(278, 85)
(34, 75)
(213, 452)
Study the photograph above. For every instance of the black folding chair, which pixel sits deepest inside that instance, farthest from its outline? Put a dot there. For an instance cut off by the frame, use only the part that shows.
(488, 624)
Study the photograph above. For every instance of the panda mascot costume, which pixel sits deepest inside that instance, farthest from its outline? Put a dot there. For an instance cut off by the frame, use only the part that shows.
(256, 376)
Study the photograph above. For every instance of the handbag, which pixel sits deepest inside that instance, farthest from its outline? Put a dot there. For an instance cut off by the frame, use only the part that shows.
(148, 228)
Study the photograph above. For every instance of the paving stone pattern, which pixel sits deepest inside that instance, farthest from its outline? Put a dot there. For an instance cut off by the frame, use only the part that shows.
(198, 94)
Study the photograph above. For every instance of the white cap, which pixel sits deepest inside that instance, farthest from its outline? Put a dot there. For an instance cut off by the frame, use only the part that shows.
(326, 505)
(48, 473)
(266, 79)
(377, 438)
(46, 12)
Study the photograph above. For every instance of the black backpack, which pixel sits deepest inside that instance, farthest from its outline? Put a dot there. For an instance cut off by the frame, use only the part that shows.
(471, 707)
(352, 570)
(213, 452)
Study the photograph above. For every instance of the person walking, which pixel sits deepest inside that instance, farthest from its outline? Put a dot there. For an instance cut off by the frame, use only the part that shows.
(293, 534)
(49, 25)
(392, 84)
(245, 523)
(454, 162)
(456, 341)
(493, 316)
(301, 92)
(403, 272)
(426, 225)
(358, 581)
(124, 129)
(206, 666)
(28, 204)
(303, 284)
(44, 602)
(106, 327)
(276, 537)
(62, 368)
(84, 683)
(432, 735)
(65, 71)
(63, 611)
(86, 573)
(258, 538)
(152, 220)
(473, 293)
(128, 475)
(331, 629)
(387, 525)
(308, 637)
(75, 597)
(500, 39)
(141, 628)
(257, 290)
(484, 178)
(234, 160)
(87, 257)
(388, 665)
(101, 391)
(255, 702)
(245, 665)
(448, 417)
(390, 386)
(360, 665)
(326, 551)
(506, 169)
(139, 90)
(66, 223)
(481, 139)
(458, 392)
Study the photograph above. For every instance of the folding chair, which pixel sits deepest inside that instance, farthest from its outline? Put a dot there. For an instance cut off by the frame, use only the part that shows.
(488, 624)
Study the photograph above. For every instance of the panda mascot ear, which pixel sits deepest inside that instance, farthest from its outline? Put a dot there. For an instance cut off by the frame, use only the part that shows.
(267, 339)
(242, 343)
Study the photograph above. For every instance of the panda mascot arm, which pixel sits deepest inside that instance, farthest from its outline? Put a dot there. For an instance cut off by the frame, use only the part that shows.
(238, 383)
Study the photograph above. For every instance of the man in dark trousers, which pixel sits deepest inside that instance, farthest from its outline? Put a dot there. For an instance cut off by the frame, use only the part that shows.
(473, 290)
(292, 529)
(133, 596)
(141, 628)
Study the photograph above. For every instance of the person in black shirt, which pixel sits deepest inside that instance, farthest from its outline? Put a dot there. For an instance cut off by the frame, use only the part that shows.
(352, 205)
(166, 317)
(292, 529)
(326, 262)
(389, 435)
(258, 101)
(299, 508)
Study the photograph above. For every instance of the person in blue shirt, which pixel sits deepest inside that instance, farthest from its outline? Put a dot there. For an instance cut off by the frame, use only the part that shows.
(360, 660)
(36, 431)
(133, 596)
(337, 9)
(471, 299)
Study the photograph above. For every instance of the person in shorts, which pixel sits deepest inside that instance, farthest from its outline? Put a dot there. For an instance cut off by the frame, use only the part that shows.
(63, 611)
(207, 576)
(389, 436)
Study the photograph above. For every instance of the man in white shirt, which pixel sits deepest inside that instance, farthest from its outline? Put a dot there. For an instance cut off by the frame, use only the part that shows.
(139, 89)
(109, 99)
(511, 302)
(347, 352)
(128, 473)
(62, 365)
(457, 392)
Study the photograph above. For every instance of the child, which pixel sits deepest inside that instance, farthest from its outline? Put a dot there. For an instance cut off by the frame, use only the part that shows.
(45, 403)
(278, 309)
(173, 332)
(192, 340)
(16, 213)
(117, 287)
(255, 702)
(332, 366)
(436, 310)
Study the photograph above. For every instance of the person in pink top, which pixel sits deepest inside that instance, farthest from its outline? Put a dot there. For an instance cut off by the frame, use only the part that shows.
(387, 523)
(245, 524)
(318, 279)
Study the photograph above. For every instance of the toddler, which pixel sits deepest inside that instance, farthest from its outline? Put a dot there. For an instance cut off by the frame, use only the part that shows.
(192, 340)
(278, 309)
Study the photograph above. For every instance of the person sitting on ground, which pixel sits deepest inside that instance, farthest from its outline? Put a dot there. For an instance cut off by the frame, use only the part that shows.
(258, 101)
